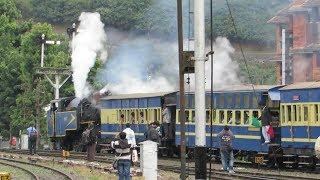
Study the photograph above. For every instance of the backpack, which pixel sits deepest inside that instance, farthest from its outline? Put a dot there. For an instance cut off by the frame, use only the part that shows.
(33, 134)
(85, 139)
(154, 136)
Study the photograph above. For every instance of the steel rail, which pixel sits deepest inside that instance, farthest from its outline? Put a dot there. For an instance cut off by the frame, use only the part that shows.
(240, 175)
(34, 176)
(66, 176)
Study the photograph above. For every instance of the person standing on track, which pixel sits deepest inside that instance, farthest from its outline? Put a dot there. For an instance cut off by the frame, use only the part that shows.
(130, 135)
(123, 156)
(153, 134)
(226, 151)
(32, 138)
(89, 138)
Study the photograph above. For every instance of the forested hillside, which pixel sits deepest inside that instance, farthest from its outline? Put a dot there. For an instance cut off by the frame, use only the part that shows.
(158, 16)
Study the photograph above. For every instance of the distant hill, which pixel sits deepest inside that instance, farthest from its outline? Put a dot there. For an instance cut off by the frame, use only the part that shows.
(158, 17)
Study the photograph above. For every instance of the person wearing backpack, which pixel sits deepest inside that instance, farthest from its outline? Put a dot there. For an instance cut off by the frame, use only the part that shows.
(89, 139)
(32, 138)
(153, 134)
(226, 151)
(123, 150)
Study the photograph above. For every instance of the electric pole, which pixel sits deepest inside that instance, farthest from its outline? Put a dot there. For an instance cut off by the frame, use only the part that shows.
(181, 93)
(200, 113)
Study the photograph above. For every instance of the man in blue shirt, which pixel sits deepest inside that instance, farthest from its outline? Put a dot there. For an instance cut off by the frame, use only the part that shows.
(32, 138)
(226, 151)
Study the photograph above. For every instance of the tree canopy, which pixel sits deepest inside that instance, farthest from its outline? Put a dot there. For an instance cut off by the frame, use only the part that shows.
(159, 16)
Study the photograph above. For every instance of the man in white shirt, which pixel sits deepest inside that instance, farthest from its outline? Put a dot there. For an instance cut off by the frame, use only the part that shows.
(166, 120)
(130, 135)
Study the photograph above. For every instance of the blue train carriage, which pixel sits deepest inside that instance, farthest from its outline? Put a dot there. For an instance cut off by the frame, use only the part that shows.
(137, 109)
(233, 106)
(61, 121)
(300, 121)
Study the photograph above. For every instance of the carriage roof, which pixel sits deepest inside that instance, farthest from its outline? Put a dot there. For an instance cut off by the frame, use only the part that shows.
(302, 85)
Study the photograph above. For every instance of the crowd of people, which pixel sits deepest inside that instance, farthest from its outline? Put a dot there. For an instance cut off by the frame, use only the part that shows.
(125, 142)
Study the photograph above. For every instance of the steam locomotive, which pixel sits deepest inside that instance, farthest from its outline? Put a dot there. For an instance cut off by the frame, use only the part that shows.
(295, 118)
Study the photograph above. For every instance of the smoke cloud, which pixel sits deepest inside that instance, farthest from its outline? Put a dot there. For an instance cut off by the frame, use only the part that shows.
(225, 71)
(140, 65)
(87, 45)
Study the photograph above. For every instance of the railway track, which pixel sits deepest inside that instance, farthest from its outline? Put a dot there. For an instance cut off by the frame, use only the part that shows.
(36, 171)
(216, 174)
(26, 171)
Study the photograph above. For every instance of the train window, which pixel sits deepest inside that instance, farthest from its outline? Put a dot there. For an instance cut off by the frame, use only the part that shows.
(193, 117)
(141, 117)
(316, 111)
(255, 114)
(213, 115)
(246, 100)
(208, 101)
(229, 117)
(289, 113)
(282, 112)
(293, 113)
(246, 117)
(298, 113)
(132, 117)
(229, 100)
(238, 117)
(238, 101)
(155, 113)
(221, 117)
(306, 112)
(178, 116)
(255, 101)
(221, 100)
(122, 118)
(208, 116)
(187, 116)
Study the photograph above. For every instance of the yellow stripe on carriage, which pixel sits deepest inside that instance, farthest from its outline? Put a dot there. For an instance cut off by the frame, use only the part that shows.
(237, 136)
(298, 140)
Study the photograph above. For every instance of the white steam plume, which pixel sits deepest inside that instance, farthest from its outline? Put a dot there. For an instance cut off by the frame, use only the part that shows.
(87, 44)
(140, 65)
(224, 69)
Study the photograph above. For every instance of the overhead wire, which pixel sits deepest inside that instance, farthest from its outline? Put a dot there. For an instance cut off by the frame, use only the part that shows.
(241, 49)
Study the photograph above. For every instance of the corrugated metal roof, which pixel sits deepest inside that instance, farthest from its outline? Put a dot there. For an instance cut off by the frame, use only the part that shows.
(136, 95)
(302, 85)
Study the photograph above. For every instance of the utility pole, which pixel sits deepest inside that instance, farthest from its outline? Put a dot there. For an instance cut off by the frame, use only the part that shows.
(182, 95)
(283, 56)
(200, 114)
(57, 73)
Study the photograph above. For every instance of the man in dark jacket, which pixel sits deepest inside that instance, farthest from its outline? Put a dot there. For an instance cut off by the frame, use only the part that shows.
(153, 134)
(226, 151)
(265, 121)
(91, 142)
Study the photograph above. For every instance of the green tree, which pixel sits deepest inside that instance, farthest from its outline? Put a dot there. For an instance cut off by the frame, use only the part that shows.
(59, 11)
(9, 9)
(122, 14)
